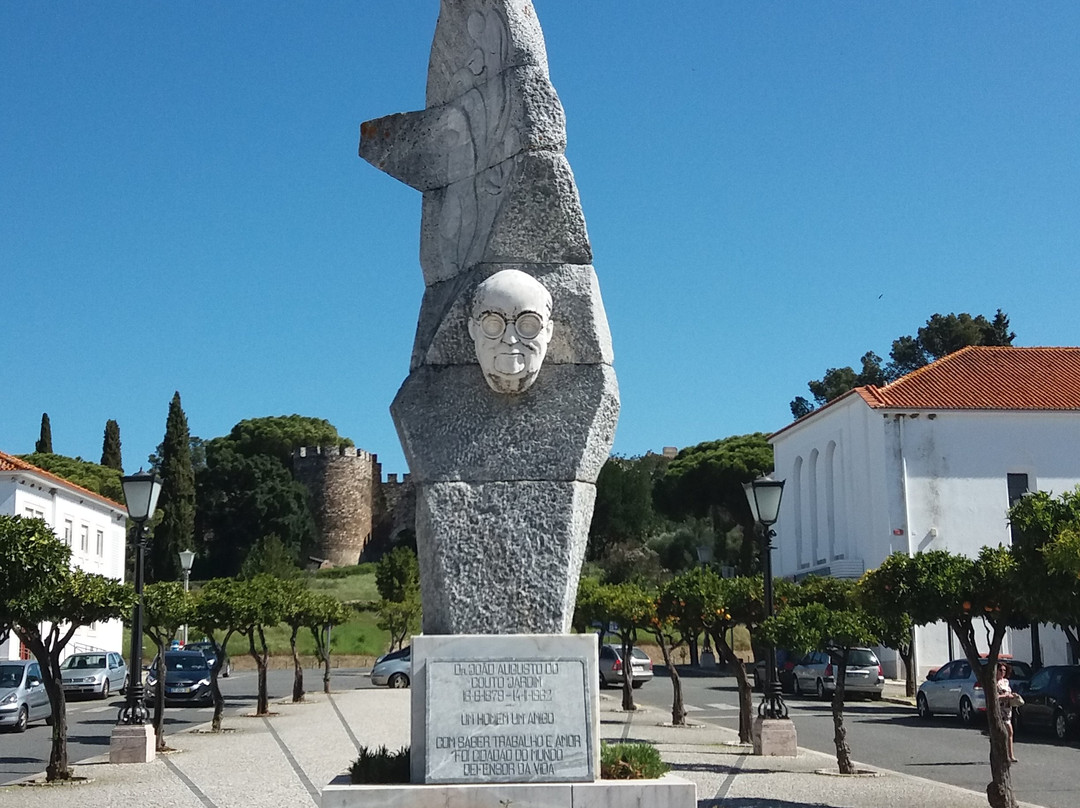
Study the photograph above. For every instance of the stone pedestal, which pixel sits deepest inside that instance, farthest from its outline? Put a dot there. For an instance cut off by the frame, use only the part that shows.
(774, 737)
(132, 743)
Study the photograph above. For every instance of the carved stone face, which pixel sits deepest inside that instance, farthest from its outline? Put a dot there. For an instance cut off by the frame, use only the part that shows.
(511, 327)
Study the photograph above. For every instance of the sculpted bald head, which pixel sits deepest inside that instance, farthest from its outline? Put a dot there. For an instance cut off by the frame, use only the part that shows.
(511, 326)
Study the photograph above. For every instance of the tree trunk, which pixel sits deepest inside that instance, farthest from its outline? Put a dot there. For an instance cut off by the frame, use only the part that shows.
(678, 707)
(159, 701)
(628, 675)
(263, 700)
(908, 659)
(215, 688)
(298, 670)
(999, 791)
(58, 768)
(843, 751)
(746, 709)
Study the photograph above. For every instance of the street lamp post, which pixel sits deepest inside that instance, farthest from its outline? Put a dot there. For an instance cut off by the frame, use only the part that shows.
(141, 492)
(187, 558)
(705, 558)
(764, 495)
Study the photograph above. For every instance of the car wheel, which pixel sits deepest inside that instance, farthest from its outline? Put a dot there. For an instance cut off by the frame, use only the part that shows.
(127, 681)
(48, 718)
(757, 681)
(797, 688)
(227, 672)
(821, 694)
(397, 681)
(1061, 727)
(967, 712)
(636, 685)
(923, 706)
(105, 689)
(22, 720)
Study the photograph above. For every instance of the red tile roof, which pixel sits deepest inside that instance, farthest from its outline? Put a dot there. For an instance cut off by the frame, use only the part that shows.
(12, 463)
(980, 378)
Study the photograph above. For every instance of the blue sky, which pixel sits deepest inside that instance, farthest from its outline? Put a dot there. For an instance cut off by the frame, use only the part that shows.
(771, 189)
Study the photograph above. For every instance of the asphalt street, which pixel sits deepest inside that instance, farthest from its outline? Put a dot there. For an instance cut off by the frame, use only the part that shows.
(891, 736)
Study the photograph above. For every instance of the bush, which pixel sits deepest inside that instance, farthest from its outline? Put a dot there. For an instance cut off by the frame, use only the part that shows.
(345, 572)
(380, 766)
(631, 761)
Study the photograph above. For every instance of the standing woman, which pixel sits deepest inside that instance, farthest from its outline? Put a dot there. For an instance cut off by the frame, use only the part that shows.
(1005, 694)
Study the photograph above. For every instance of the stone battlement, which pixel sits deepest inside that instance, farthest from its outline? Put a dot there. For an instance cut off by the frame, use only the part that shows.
(333, 451)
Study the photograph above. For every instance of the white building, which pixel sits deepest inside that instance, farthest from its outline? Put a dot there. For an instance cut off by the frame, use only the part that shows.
(931, 461)
(90, 524)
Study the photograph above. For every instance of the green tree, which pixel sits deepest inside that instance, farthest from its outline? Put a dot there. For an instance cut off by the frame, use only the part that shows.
(631, 607)
(270, 556)
(1046, 536)
(397, 577)
(220, 610)
(974, 597)
(176, 529)
(304, 608)
(166, 607)
(623, 512)
(706, 480)
(98, 479)
(44, 442)
(243, 499)
(277, 436)
(942, 335)
(44, 602)
(825, 613)
(110, 447)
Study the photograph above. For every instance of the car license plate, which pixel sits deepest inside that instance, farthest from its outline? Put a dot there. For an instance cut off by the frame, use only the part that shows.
(178, 690)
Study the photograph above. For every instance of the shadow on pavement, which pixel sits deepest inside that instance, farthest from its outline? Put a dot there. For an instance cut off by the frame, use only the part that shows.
(757, 802)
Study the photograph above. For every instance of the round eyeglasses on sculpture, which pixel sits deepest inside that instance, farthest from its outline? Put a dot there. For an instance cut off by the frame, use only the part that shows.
(527, 325)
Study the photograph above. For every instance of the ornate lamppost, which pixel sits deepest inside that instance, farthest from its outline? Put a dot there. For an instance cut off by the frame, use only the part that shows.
(187, 558)
(764, 495)
(141, 492)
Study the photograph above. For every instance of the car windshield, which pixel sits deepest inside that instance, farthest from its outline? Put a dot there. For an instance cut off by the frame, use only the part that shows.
(186, 663)
(83, 662)
(10, 675)
(861, 658)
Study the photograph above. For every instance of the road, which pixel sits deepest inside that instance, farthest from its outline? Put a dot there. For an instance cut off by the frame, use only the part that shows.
(90, 722)
(891, 736)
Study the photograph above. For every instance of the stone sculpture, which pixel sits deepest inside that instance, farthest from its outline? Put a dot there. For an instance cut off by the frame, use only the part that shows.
(504, 453)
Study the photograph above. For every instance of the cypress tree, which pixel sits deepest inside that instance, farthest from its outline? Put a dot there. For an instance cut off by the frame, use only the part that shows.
(176, 530)
(44, 443)
(110, 447)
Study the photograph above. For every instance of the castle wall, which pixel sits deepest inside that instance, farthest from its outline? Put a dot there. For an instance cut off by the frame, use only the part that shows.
(344, 486)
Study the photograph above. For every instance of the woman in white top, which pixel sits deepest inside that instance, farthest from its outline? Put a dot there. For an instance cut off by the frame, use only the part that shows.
(1004, 694)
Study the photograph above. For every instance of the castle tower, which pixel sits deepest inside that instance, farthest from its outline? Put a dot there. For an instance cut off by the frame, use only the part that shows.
(344, 486)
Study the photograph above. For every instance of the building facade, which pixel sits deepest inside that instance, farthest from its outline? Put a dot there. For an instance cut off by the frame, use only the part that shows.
(90, 524)
(931, 461)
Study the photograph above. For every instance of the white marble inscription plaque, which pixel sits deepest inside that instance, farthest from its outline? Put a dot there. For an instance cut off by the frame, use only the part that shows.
(508, 721)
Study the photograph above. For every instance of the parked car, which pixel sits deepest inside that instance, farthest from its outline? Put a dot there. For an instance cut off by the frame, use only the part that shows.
(1051, 701)
(815, 674)
(187, 679)
(22, 695)
(98, 673)
(611, 666)
(953, 689)
(210, 650)
(785, 664)
(393, 669)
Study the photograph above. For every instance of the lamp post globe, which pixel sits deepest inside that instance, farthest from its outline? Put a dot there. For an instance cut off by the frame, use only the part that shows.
(187, 558)
(141, 491)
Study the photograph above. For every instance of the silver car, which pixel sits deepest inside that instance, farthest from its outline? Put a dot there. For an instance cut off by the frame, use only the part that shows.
(99, 673)
(393, 669)
(22, 695)
(953, 690)
(611, 666)
(815, 674)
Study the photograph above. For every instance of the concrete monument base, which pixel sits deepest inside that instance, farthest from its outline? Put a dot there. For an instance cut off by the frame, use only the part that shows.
(774, 737)
(132, 743)
(667, 792)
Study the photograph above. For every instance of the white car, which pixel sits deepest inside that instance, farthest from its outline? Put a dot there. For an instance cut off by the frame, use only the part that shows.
(22, 695)
(98, 673)
(393, 669)
(953, 690)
